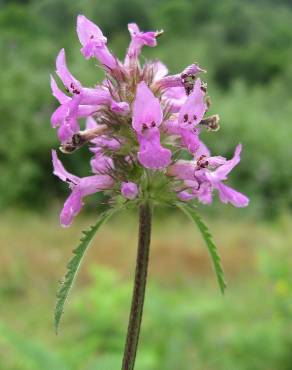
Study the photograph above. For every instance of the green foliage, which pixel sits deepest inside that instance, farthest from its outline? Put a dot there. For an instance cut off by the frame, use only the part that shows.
(74, 264)
(193, 215)
(186, 324)
(34, 355)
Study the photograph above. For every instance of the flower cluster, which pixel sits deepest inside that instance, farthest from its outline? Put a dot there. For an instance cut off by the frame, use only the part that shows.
(139, 124)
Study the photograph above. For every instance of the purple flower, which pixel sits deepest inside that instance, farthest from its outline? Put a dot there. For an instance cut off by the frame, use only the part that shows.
(138, 40)
(94, 43)
(147, 117)
(205, 174)
(185, 79)
(175, 97)
(84, 102)
(139, 123)
(129, 190)
(80, 188)
(87, 96)
(151, 154)
(194, 108)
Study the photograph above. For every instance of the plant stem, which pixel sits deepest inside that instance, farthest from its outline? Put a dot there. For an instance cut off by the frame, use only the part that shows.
(139, 287)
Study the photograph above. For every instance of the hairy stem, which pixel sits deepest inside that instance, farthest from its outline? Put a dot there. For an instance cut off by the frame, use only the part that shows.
(139, 288)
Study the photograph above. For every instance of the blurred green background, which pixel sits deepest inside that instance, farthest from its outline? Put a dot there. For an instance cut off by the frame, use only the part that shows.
(246, 46)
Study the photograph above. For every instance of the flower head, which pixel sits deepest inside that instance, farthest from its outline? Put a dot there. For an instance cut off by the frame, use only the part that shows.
(140, 124)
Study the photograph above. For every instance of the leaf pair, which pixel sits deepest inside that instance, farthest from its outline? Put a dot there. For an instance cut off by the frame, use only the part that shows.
(79, 252)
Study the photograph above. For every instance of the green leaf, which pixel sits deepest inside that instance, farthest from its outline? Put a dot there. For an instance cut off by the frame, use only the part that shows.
(192, 214)
(74, 264)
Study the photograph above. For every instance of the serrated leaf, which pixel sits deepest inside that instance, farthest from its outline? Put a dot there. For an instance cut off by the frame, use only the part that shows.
(74, 264)
(193, 215)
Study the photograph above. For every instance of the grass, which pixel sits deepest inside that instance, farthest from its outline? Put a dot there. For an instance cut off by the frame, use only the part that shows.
(188, 324)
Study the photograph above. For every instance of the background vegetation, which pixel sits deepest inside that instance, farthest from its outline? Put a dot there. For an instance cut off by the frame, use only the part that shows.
(246, 46)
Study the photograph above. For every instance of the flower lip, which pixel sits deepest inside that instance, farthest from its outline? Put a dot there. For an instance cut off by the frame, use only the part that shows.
(88, 31)
(194, 108)
(147, 111)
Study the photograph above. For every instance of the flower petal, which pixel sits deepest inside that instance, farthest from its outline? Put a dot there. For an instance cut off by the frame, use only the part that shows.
(159, 70)
(229, 195)
(69, 81)
(222, 172)
(71, 208)
(86, 186)
(101, 164)
(194, 108)
(129, 190)
(138, 39)
(94, 42)
(60, 171)
(87, 31)
(147, 110)
(57, 93)
(151, 154)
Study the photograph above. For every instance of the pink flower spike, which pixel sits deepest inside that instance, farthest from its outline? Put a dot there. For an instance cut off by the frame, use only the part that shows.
(129, 190)
(194, 108)
(147, 112)
(94, 42)
(151, 154)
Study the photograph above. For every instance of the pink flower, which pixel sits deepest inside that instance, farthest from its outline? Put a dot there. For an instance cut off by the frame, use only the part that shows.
(138, 40)
(129, 190)
(84, 102)
(147, 117)
(184, 79)
(194, 108)
(94, 42)
(139, 124)
(80, 188)
(205, 174)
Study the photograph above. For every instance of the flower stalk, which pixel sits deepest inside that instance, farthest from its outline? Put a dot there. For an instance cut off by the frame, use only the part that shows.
(142, 127)
(135, 318)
